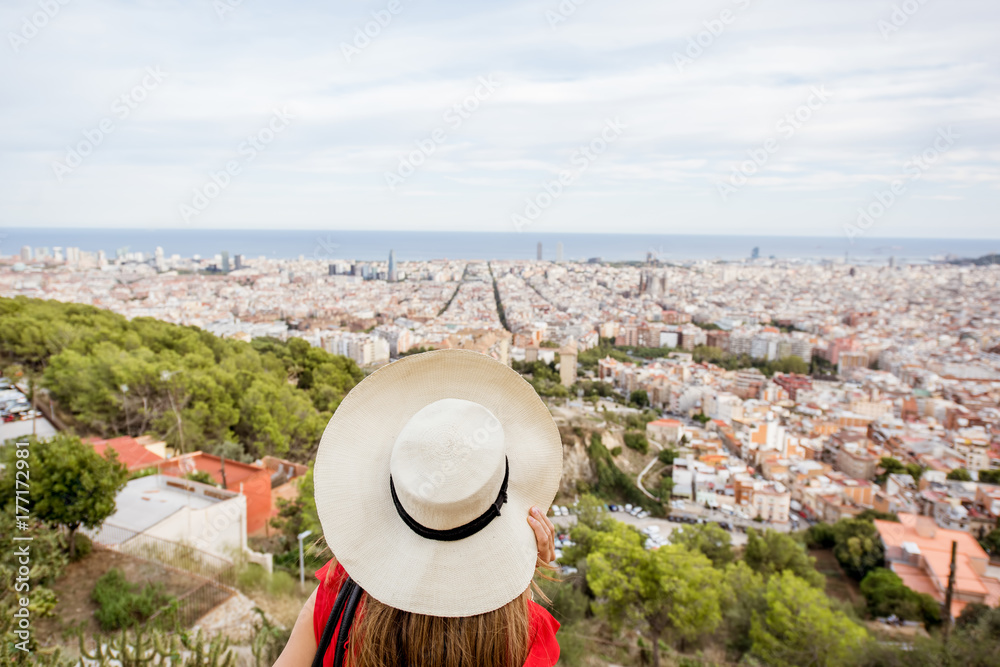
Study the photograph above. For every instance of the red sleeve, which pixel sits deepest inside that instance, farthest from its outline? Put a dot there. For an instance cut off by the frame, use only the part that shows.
(326, 595)
(544, 645)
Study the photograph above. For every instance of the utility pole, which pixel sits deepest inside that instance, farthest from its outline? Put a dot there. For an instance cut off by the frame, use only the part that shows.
(948, 594)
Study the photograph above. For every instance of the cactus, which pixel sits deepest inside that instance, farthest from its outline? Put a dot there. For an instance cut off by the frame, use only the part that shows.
(143, 647)
(268, 640)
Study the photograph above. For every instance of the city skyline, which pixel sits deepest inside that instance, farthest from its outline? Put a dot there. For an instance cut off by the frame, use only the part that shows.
(722, 120)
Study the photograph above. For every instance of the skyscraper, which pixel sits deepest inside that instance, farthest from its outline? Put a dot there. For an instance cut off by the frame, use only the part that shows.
(239, 262)
(539, 251)
(559, 252)
(392, 266)
(225, 262)
(26, 253)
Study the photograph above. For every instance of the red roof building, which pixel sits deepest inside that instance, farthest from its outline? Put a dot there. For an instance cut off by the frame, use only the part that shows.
(252, 481)
(130, 452)
(920, 553)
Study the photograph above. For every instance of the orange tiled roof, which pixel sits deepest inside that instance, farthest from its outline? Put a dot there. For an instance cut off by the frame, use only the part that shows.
(130, 452)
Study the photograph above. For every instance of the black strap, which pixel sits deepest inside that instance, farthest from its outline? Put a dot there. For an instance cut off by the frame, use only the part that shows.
(461, 532)
(347, 589)
(345, 625)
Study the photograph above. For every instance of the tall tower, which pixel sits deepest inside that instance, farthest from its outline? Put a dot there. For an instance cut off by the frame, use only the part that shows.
(392, 266)
(559, 252)
(225, 261)
(539, 251)
(567, 364)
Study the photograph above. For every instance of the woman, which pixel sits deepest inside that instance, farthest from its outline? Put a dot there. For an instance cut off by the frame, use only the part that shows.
(424, 477)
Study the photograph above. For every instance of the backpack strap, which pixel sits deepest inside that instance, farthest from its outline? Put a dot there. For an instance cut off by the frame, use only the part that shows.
(347, 601)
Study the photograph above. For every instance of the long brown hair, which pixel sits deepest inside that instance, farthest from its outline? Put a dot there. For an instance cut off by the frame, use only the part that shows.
(382, 635)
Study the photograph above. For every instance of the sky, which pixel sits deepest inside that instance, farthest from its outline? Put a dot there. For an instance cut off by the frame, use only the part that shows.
(768, 117)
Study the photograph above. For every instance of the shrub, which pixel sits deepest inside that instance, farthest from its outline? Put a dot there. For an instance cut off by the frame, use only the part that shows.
(122, 605)
(637, 440)
(83, 547)
(616, 451)
(821, 536)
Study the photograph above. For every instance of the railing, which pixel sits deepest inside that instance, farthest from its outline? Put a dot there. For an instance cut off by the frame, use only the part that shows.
(212, 577)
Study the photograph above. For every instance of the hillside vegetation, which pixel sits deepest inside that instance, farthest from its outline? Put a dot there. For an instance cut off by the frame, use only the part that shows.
(109, 375)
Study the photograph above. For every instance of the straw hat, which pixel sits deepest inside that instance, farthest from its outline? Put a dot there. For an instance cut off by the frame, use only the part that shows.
(424, 478)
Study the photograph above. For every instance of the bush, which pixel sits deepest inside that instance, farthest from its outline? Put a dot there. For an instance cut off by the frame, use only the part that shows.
(122, 605)
(637, 440)
(886, 594)
(820, 536)
(567, 602)
(667, 456)
(83, 547)
(202, 477)
(616, 451)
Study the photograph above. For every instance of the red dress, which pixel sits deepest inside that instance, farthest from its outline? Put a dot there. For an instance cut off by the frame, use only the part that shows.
(544, 650)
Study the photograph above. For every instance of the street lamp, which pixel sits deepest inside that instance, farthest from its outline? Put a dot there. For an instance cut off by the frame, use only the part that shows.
(302, 561)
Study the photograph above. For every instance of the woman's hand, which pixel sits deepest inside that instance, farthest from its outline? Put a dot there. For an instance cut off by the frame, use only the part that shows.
(544, 535)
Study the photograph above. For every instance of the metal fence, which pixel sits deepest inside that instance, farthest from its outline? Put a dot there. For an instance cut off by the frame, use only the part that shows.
(212, 577)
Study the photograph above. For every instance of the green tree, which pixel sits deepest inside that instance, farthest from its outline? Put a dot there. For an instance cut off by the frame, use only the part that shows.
(665, 489)
(859, 548)
(890, 466)
(636, 440)
(639, 397)
(800, 629)
(989, 476)
(669, 589)
(667, 456)
(991, 542)
(772, 553)
(707, 538)
(885, 594)
(71, 484)
(742, 600)
(820, 536)
(960, 475)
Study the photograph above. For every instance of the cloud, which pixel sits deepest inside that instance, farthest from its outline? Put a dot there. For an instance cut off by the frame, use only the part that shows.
(355, 118)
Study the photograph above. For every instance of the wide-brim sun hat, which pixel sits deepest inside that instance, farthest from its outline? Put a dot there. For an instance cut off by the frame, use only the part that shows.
(424, 479)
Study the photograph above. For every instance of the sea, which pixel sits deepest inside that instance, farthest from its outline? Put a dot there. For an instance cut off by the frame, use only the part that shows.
(368, 245)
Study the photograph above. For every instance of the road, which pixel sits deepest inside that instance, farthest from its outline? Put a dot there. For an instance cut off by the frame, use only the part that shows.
(19, 429)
